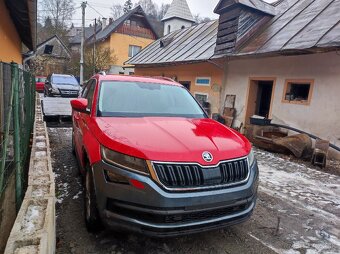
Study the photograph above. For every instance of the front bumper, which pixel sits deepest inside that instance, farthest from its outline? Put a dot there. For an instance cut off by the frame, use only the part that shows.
(156, 212)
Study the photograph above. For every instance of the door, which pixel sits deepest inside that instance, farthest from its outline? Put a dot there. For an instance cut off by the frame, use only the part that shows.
(260, 97)
(80, 120)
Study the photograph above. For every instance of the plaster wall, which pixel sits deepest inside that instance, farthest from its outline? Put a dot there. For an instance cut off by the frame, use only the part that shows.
(175, 24)
(321, 117)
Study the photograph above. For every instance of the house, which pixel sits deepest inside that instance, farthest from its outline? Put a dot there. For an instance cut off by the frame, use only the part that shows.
(279, 60)
(74, 36)
(17, 28)
(125, 37)
(51, 55)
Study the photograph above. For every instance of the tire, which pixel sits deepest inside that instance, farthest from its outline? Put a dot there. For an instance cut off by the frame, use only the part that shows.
(92, 219)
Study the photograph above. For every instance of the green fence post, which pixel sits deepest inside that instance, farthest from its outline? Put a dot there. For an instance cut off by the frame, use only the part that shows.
(16, 116)
(6, 140)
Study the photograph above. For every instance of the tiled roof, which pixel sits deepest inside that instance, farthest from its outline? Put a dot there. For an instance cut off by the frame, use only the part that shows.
(179, 9)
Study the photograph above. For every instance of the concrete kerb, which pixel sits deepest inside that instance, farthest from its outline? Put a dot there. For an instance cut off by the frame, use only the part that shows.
(34, 228)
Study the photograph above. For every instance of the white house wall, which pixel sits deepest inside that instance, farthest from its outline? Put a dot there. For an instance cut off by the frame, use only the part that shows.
(175, 24)
(321, 117)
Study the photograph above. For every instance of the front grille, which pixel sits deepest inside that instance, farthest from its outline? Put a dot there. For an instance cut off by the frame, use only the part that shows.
(195, 176)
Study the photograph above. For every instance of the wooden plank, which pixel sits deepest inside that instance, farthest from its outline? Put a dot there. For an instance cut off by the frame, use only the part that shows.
(228, 24)
(225, 17)
(225, 32)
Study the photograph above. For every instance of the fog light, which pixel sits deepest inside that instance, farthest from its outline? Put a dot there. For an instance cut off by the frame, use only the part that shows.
(115, 178)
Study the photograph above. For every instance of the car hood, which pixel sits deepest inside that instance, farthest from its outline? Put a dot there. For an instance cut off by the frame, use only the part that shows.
(66, 87)
(171, 139)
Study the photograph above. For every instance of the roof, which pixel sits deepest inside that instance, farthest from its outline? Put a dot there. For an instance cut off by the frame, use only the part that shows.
(24, 16)
(196, 43)
(258, 5)
(89, 31)
(124, 78)
(107, 31)
(179, 9)
(60, 50)
(300, 25)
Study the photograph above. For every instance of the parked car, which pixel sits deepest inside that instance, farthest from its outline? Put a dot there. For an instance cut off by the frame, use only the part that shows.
(154, 163)
(40, 83)
(61, 85)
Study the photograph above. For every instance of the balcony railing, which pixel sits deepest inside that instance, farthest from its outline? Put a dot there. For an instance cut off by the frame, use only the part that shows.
(136, 31)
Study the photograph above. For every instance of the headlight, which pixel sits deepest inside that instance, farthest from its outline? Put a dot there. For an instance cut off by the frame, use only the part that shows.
(55, 90)
(251, 157)
(125, 161)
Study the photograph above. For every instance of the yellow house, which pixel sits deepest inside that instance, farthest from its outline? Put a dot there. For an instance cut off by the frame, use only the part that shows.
(125, 37)
(17, 27)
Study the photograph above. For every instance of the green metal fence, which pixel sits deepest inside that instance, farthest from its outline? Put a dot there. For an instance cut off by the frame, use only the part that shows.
(17, 107)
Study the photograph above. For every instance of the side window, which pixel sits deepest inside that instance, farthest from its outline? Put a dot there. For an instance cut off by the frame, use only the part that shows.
(85, 89)
(90, 93)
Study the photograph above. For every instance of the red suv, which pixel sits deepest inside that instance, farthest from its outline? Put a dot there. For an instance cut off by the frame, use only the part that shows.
(154, 162)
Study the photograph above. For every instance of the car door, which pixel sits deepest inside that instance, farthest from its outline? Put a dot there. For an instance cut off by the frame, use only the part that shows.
(76, 122)
(84, 118)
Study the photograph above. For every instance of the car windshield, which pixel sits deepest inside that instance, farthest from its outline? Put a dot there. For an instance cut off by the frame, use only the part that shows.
(136, 99)
(64, 80)
(40, 79)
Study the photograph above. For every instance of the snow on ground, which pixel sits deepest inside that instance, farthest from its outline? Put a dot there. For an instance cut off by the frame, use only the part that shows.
(314, 198)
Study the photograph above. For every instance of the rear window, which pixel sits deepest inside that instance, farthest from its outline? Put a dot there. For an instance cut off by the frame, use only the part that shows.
(64, 80)
(136, 99)
(40, 79)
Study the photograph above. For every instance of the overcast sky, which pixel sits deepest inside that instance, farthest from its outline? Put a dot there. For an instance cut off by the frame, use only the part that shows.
(101, 8)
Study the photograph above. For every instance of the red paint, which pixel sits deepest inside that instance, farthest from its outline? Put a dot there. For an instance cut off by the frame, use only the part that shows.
(166, 139)
(39, 86)
(137, 184)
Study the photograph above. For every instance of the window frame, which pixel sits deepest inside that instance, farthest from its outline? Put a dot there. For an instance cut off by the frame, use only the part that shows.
(198, 93)
(207, 85)
(302, 82)
(133, 46)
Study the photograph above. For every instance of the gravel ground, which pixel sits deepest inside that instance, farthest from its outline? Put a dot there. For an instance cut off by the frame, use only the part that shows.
(298, 211)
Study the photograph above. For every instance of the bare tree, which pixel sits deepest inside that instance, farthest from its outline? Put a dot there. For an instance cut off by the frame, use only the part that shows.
(198, 19)
(163, 9)
(117, 10)
(149, 7)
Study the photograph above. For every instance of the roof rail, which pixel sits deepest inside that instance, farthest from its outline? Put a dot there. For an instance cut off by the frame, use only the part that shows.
(102, 73)
(165, 78)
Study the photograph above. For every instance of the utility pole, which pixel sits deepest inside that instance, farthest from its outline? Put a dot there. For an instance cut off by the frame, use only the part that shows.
(94, 46)
(83, 6)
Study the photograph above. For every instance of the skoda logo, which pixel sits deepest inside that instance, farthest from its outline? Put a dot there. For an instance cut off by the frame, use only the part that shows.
(207, 156)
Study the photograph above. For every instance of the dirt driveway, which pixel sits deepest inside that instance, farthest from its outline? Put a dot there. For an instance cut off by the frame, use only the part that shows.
(304, 202)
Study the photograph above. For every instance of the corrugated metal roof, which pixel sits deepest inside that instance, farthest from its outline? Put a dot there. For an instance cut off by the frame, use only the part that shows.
(196, 43)
(258, 5)
(299, 25)
(179, 9)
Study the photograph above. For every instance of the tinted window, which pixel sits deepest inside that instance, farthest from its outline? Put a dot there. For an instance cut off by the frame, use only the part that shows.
(64, 80)
(89, 95)
(131, 99)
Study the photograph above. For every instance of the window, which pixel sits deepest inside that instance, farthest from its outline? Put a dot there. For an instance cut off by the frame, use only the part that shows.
(90, 93)
(298, 91)
(134, 50)
(135, 99)
(203, 81)
(182, 27)
(202, 98)
(169, 29)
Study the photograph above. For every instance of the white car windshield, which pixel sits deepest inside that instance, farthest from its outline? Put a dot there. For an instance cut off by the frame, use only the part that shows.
(136, 99)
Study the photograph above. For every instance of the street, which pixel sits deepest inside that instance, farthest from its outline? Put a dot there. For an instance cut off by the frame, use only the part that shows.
(298, 211)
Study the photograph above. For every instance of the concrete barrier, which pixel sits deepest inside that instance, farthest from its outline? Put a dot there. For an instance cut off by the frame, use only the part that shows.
(34, 228)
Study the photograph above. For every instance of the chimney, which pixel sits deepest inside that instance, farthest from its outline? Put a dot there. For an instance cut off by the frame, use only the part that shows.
(104, 23)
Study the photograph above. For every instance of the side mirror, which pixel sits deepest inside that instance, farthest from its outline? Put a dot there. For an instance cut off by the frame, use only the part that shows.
(47, 82)
(80, 105)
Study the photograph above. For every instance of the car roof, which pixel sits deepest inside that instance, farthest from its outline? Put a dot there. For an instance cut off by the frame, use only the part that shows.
(125, 78)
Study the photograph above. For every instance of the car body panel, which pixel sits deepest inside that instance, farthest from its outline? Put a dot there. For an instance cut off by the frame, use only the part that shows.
(40, 83)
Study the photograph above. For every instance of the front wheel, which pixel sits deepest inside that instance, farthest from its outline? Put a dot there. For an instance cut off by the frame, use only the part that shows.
(92, 219)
